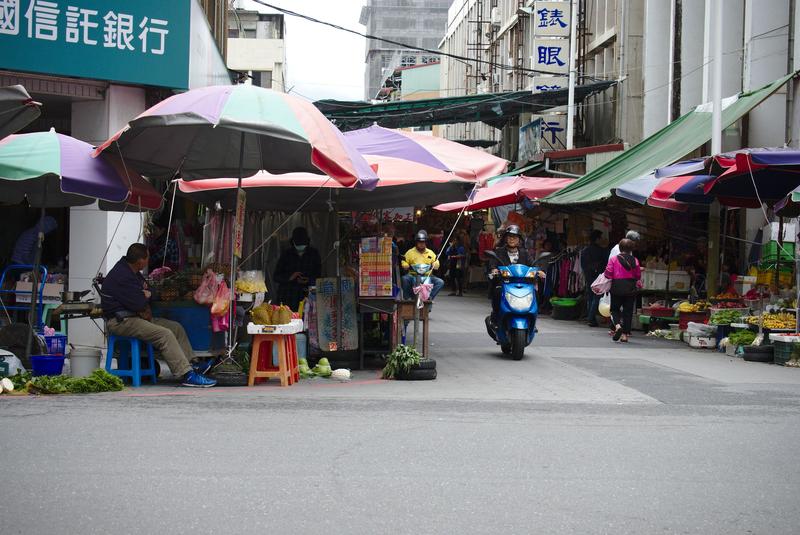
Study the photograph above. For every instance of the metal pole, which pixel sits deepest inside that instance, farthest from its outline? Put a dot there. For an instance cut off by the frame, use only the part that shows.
(232, 311)
(573, 52)
(37, 260)
(716, 85)
(169, 223)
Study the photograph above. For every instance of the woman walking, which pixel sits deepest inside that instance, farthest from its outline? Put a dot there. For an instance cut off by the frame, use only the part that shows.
(625, 274)
(456, 257)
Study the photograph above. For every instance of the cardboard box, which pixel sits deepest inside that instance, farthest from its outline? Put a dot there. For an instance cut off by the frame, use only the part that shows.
(50, 295)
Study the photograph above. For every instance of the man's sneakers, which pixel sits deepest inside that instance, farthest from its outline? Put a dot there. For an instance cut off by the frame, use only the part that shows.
(203, 366)
(197, 380)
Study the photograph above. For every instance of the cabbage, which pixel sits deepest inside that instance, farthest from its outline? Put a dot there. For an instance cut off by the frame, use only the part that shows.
(302, 362)
(324, 362)
(322, 371)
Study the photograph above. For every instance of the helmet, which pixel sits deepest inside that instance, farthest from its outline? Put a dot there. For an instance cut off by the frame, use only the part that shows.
(633, 235)
(513, 230)
(422, 235)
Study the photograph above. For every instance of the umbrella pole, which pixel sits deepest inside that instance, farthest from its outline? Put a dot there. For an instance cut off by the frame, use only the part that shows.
(232, 311)
(169, 223)
(37, 260)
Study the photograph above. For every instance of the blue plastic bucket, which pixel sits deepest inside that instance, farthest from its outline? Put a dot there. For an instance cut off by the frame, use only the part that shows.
(47, 364)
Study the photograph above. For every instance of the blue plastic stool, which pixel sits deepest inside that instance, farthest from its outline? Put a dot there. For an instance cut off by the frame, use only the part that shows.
(131, 358)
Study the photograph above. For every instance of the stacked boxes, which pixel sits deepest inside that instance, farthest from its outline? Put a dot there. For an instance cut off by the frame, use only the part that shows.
(375, 267)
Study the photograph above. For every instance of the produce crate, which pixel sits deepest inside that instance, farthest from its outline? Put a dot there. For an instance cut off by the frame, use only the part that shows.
(56, 344)
(685, 317)
(784, 347)
(744, 311)
(772, 251)
(656, 279)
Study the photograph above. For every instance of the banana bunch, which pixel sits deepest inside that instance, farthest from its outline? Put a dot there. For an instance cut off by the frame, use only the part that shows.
(250, 286)
(781, 320)
(686, 306)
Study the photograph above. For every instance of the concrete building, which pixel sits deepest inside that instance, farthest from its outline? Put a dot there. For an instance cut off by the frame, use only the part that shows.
(419, 23)
(417, 82)
(93, 74)
(256, 47)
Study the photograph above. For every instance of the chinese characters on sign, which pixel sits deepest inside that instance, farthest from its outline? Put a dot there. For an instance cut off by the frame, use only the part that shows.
(549, 83)
(553, 129)
(551, 28)
(82, 25)
(105, 39)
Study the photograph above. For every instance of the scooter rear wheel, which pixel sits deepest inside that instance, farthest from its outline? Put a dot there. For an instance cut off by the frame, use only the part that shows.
(506, 349)
(519, 339)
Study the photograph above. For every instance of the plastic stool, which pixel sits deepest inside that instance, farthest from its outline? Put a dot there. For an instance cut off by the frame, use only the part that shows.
(261, 366)
(47, 312)
(135, 371)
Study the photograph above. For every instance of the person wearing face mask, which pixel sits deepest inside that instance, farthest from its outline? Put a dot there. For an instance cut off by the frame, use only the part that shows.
(297, 269)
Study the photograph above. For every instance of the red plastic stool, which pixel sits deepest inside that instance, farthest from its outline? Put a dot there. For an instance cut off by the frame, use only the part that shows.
(261, 366)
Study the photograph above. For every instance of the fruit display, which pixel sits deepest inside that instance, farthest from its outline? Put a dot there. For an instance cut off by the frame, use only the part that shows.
(729, 304)
(782, 320)
(266, 314)
(250, 286)
(700, 306)
(728, 296)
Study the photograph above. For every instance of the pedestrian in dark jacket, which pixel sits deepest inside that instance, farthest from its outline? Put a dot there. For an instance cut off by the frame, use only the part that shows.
(298, 268)
(593, 262)
(625, 274)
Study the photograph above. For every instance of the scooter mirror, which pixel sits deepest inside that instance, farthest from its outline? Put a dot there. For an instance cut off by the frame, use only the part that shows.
(491, 254)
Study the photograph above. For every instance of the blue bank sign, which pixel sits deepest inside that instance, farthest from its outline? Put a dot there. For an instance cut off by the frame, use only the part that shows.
(135, 41)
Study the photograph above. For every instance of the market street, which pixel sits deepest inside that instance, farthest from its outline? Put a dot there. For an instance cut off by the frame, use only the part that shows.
(582, 436)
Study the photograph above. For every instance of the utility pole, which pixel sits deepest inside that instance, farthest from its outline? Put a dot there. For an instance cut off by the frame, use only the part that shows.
(716, 143)
(573, 53)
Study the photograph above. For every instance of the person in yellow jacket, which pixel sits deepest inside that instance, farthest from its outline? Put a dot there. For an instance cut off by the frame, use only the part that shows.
(420, 254)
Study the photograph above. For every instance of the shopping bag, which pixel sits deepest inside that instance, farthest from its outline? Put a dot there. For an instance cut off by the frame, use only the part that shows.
(204, 294)
(605, 306)
(222, 300)
(601, 285)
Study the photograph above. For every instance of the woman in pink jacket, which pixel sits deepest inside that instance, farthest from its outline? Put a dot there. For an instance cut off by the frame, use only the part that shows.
(625, 274)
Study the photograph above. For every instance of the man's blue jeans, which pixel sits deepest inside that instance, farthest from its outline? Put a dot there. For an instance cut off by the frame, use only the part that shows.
(409, 281)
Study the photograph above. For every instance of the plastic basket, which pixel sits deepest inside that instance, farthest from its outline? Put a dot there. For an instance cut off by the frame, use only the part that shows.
(561, 312)
(784, 348)
(47, 364)
(56, 344)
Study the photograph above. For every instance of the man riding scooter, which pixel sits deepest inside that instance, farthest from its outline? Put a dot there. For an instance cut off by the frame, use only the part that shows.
(513, 282)
(420, 262)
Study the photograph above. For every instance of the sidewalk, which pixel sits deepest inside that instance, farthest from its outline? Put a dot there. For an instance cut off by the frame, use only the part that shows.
(568, 362)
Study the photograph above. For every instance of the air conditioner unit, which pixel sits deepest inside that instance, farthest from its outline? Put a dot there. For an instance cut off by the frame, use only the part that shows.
(496, 17)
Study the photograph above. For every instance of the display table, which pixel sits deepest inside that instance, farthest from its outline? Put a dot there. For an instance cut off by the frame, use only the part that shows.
(407, 313)
(282, 337)
(377, 305)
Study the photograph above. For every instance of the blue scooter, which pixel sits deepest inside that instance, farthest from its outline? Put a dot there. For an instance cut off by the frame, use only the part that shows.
(515, 325)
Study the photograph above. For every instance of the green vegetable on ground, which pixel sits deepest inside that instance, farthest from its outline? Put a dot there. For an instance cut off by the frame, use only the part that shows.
(400, 360)
(97, 381)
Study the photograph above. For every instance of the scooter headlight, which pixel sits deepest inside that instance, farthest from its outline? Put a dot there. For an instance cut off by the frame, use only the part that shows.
(521, 304)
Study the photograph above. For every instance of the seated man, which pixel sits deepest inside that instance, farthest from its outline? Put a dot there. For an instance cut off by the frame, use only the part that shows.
(126, 308)
(420, 254)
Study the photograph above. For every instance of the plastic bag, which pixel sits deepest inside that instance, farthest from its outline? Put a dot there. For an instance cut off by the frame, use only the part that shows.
(601, 285)
(605, 306)
(222, 300)
(204, 295)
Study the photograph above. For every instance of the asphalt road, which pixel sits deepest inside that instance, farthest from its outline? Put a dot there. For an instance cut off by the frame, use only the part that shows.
(582, 436)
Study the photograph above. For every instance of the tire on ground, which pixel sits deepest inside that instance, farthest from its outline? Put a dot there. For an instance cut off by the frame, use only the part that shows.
(425, 364)
(416, 375)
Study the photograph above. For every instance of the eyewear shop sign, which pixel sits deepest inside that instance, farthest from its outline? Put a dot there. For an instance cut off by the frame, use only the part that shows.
(140, 41)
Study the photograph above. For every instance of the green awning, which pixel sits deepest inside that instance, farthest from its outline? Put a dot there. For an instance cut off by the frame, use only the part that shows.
(665, 147)
(532, 167)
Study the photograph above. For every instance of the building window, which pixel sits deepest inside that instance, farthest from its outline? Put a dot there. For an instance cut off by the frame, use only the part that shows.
(233, 33)
(262, 79)
(386, 59)
(429, 59)
(408, 61)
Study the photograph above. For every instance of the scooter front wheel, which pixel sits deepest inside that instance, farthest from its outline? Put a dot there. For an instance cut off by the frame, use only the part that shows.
(519, 339)
(506, 349)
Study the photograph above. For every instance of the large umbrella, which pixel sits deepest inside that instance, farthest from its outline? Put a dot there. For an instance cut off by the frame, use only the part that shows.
(55, 170)
(52, 170)
(17, 109)
(402, 183)
(433, 151)
(640, 190)
(508, 191)
(232, 131)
